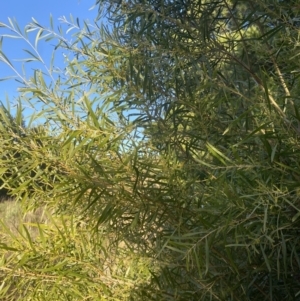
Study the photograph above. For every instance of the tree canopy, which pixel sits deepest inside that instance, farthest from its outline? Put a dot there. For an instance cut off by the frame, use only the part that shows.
(169, 158)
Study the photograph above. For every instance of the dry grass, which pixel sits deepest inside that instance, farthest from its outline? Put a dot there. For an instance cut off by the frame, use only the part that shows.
(12, 215)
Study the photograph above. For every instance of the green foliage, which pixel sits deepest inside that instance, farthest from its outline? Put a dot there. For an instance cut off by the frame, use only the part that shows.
(64, 261)
(169, 158)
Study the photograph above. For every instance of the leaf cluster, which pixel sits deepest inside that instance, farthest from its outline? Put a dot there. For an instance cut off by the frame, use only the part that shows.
(169, 158)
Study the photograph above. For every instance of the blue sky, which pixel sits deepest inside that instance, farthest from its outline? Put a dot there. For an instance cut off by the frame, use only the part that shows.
(40, 10)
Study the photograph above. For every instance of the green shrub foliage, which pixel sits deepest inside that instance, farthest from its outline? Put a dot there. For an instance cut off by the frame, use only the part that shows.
(169, 157)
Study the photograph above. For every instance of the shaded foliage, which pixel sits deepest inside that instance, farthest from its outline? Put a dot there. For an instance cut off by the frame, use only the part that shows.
(177, 131)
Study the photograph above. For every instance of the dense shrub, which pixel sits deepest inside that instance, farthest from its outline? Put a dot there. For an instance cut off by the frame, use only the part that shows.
(174, 134)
